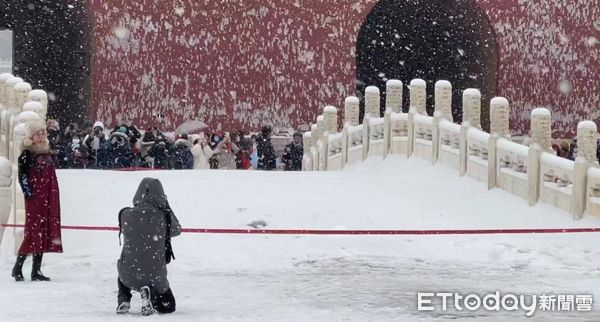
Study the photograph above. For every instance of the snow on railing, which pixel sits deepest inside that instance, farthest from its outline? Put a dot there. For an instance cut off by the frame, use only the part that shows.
(355, 133)
(376, 128)
(531, 172)
(335, 144)
(334, 151)
(512, 155)
(423, 127)
(423, 136)
(15, 94)
(449, 134)
(593, 192)
(398, 132)
(399, 124)
(477, 154)
(511, 167)
(478, 142)
(449, 152)
(355, 143)
(376, 131)
(556, 183)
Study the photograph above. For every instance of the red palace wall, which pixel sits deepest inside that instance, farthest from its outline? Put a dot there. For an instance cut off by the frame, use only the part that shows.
(241, 64)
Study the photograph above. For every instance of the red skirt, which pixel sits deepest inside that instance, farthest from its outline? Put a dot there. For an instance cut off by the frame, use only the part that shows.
(42, 211)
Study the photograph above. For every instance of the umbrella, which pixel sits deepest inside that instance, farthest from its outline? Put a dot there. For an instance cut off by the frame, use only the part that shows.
(190, 127)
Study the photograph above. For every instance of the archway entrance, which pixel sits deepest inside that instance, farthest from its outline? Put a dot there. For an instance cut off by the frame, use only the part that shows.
(51, 50)
(432, 40)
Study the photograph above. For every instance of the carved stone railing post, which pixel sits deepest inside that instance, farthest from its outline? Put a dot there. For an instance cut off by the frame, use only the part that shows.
(372, 102)
(351, 110)
(499, 127)
(587, 136)
(471, 104)
(541, 137)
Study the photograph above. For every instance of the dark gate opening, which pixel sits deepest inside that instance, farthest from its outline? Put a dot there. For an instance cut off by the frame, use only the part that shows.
(432, 40)
(51, 51)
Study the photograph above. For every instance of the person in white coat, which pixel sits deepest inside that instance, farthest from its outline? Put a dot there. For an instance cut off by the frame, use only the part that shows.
(201, 152)
(226, 152)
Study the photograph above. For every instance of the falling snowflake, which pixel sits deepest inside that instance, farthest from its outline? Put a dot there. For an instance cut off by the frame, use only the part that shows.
(565, 87)
(121, 32)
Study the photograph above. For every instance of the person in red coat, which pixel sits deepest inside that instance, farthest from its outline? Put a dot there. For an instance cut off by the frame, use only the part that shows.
(37, 177)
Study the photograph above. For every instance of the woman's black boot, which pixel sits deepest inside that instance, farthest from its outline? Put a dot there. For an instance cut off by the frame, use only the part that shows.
(36, 273)
(17, 271)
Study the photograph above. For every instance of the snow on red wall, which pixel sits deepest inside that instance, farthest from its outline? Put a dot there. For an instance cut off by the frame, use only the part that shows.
(549, 57)
(242, 64)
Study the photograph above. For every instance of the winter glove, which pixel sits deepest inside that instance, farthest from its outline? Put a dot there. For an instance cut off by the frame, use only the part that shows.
(25, 187)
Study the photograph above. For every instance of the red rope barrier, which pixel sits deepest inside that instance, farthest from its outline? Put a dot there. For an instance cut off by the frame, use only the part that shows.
(352, 232)
(134, 169)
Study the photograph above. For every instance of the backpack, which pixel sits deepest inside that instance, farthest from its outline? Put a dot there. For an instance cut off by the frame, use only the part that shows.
(168, 248)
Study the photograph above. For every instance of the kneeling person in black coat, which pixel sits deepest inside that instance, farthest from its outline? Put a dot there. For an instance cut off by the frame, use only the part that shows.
(147, 229)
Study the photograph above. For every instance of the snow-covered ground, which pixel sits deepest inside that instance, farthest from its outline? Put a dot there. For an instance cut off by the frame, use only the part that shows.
(228, 277)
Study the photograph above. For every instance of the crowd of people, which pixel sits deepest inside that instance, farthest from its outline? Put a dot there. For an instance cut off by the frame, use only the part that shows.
(124, 146)
(568, 149)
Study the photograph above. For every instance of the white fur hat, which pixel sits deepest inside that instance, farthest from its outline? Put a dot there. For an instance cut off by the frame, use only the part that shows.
(30, 129)
(99, 124)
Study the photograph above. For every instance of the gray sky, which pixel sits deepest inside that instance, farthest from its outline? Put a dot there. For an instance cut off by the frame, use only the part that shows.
(5, 45)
